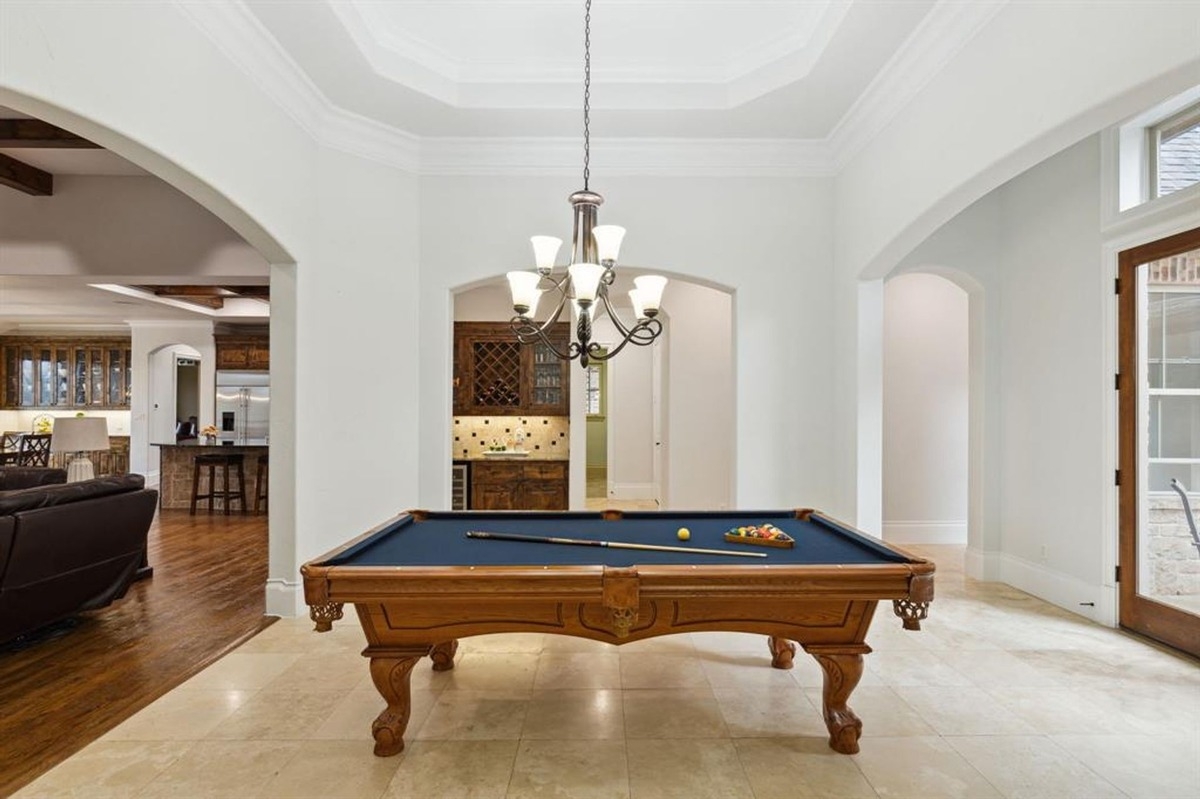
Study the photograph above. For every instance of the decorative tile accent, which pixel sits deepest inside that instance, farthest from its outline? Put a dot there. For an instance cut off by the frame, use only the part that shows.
(541, 433)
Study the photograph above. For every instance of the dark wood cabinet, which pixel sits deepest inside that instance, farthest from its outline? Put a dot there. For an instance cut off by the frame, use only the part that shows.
(65, 373)
(509, 485)
(244, 353)
(496, 375)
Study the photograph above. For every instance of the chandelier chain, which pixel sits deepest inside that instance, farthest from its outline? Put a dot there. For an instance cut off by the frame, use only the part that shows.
(587, 92)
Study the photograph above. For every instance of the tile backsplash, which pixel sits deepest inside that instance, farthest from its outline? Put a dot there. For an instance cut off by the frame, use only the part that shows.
(545, 436)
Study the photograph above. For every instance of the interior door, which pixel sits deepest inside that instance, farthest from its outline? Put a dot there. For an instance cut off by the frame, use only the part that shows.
(1159, 439)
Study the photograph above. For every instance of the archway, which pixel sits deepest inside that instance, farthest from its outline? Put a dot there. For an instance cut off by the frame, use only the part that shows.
(153, 159)
(925, 410)
(664, 441)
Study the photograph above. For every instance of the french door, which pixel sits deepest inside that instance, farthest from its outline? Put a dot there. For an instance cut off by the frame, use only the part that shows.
(1159, 439)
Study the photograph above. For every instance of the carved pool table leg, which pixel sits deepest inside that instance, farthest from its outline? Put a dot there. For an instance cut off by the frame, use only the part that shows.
(391, 677)
(782, 652)
(443, 655)
(842, 671)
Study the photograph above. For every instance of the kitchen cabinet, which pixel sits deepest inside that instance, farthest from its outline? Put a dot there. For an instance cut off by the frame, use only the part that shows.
(65, 373)
(496, 375)
(519, 485)
(243, 353)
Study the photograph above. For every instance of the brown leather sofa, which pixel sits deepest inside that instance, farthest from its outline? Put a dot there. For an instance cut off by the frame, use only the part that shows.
(67, 547)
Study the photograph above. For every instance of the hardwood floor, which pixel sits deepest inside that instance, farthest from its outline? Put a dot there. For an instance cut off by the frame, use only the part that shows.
(68, 687)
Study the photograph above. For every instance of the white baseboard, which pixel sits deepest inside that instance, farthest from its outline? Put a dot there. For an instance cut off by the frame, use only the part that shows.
(632, 491)
(925, 532)
(152, 479)
(1067, 592)
(285, 598)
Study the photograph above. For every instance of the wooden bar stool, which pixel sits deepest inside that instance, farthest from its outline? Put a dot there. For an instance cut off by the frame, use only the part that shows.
(261, 478)
(226, 494)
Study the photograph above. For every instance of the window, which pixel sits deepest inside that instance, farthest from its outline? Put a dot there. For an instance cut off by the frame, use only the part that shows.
(1175, 152)
(594, 388)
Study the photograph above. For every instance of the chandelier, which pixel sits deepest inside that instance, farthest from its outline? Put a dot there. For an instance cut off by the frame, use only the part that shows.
(591, 271)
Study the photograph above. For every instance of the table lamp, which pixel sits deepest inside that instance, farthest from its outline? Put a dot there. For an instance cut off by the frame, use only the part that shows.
(80, 435)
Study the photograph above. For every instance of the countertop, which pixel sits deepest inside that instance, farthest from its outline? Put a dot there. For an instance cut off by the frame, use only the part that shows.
(509, 458)
(233, 443)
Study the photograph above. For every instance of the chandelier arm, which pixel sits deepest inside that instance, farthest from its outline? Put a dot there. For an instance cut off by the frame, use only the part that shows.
(612, 315)
(529, 333)
(643, 333)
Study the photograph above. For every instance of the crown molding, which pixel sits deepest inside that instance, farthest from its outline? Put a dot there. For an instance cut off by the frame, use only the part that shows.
(944, 31)
(245, 41)
(637, 157)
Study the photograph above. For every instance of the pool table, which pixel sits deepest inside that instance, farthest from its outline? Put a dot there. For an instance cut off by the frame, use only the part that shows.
(419, 584)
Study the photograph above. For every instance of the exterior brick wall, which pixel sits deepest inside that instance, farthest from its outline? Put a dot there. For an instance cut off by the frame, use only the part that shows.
(1174, 564)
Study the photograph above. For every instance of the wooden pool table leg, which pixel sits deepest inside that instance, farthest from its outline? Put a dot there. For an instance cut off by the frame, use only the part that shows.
(443, 655)
(783, 652)
(391, 674)
(842, 667)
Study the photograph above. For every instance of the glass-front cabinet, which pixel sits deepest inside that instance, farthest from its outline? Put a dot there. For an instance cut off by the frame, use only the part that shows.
(66, 373)
(496, 375)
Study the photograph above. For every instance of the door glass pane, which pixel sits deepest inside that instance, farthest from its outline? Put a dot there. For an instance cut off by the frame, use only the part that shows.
(97, 377)
(62, 378)
(12, 389)
(128, 375)
(27, 377)
(114, 377)
(45, 378)
(81, 377)
(1170, 430)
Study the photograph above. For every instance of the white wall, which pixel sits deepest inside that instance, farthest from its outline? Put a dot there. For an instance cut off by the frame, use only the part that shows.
(701, 400)
(1035, 250)
(1051, 360)
(118, 421)
(1036, 79)
(778, 261)
(630, 423)
(925, 382)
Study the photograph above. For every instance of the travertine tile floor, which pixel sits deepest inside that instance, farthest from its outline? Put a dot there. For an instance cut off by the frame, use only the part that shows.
(1000, 695)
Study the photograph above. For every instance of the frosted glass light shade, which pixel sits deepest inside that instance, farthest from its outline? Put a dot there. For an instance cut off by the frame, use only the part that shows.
(545, 251)
(524, 288)
(635, 297)
(650, 287)
(608, 241)
(586, 280)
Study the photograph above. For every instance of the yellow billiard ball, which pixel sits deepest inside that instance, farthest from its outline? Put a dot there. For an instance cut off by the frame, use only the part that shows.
(684, 534)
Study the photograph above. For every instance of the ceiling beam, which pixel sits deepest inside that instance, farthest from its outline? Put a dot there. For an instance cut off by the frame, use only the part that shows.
(36, 133)
(23, 177)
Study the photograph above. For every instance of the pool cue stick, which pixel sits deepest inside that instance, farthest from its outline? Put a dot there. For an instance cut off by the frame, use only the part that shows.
(587, 542)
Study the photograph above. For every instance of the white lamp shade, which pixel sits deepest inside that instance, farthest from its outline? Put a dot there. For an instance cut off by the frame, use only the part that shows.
(608, 241)
(650, 287)
(532, 312)
(524, 288)
(586, 280)
(635, 297)
(79, 434)
(545, 251)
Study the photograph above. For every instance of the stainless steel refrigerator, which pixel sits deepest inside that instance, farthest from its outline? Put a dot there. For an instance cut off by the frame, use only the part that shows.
(243, 407)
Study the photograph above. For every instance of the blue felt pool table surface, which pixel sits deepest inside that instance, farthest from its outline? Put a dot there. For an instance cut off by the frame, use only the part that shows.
(439, 539)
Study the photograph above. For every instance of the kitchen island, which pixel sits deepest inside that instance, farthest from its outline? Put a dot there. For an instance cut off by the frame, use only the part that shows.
(176, 463)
